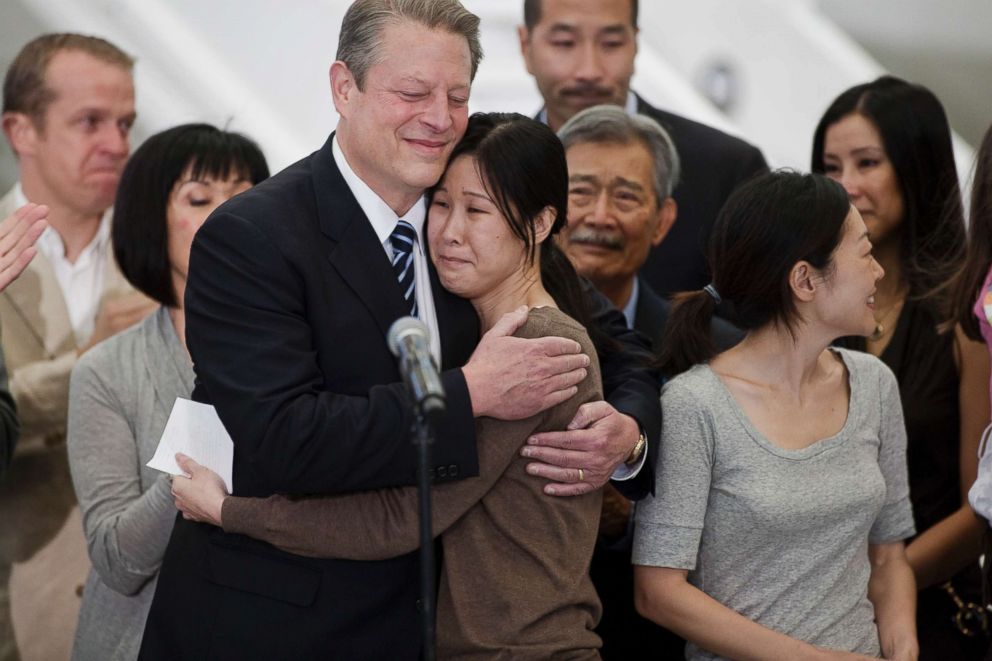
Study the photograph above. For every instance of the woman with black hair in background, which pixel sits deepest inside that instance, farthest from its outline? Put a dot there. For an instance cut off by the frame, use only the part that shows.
(777, 525)
(889, 144)
(122, 391)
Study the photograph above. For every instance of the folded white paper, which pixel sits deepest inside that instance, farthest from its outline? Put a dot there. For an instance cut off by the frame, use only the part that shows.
(195, 430)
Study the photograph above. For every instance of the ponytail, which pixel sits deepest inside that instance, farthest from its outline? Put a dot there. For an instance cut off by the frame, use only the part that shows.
(687, 339)
(560, 279)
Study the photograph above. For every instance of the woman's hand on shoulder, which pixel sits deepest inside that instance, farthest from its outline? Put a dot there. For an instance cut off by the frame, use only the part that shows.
(200, 494)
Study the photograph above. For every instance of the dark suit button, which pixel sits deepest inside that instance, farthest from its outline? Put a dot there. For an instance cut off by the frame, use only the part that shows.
(420, 605)
(453, 470)
(442, 471)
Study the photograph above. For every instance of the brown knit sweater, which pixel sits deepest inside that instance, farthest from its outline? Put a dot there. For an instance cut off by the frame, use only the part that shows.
(515, 578)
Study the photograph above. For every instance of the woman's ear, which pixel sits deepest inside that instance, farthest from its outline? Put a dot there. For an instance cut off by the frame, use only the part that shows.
(543, 224)
(803, 281)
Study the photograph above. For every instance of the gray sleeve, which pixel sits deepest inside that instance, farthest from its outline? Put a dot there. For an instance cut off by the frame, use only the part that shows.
(895, 521)
(669, 525)
(126, 530)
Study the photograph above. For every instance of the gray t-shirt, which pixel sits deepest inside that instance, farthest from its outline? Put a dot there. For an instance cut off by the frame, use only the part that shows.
(780, 536)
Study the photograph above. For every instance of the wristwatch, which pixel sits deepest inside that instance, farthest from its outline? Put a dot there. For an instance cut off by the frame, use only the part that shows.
(638, 451)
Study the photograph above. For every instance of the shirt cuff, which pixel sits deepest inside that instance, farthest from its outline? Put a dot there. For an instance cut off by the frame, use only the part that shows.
(625, 472)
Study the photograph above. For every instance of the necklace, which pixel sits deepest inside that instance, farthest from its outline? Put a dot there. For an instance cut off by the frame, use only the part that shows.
(882, 321)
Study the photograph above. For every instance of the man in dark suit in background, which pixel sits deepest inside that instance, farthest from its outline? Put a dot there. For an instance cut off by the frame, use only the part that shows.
(622, 170)
(291, 292)
(581, 54)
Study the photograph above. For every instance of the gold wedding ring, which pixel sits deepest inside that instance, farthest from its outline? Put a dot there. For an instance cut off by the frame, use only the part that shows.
(582, 475)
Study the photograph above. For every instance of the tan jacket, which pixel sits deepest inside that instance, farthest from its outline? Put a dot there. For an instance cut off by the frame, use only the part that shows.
(42, 549)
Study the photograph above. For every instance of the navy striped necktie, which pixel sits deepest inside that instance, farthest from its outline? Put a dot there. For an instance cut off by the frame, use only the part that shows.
(402, 240)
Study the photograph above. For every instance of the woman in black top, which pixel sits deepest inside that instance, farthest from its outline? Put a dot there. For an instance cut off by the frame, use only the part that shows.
(888, 143)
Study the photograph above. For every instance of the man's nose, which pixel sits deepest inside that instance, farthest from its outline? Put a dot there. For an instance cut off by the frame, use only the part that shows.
(114, 139)
(590, 64)
(438, 114)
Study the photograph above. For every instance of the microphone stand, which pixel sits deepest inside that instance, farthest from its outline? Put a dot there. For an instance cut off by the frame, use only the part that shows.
(422, 438)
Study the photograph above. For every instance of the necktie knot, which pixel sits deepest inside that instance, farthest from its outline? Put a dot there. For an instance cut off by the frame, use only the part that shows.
(402, 240)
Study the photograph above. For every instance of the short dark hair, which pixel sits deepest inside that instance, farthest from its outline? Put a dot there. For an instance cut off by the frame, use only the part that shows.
(917, 139)
(24, 88)
(766, 226)
(139, 231)
(360, 39)
(532, 13)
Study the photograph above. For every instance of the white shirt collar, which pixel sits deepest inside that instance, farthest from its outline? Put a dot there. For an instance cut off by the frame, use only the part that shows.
(382, 218)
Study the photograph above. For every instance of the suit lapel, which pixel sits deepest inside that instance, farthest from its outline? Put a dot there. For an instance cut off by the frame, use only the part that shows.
(356, 252)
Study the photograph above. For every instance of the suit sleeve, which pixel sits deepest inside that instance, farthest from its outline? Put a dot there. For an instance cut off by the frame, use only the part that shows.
(630, 384)
(9, 428)
(255, 355)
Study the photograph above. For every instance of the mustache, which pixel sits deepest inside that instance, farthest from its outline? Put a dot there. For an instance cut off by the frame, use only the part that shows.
(586, 89)
(596, 237)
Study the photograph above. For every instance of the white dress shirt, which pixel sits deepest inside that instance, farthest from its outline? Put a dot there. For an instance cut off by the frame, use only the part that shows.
(383, 220)
(81, 281)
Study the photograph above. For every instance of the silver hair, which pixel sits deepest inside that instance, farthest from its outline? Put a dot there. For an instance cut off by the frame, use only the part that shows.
(612, 125)
(361, 29)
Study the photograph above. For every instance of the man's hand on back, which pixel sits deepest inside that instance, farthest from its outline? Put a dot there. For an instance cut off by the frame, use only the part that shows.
(583, 458)
(512, 378)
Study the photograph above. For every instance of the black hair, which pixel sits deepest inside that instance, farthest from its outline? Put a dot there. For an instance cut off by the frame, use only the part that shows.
(766, 226)
(917, 140)
(521, 163)
(532, 13)
(139, 231)
(971, 276)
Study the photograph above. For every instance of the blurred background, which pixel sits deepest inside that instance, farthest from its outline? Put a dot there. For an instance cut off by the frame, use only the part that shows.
(763, 69)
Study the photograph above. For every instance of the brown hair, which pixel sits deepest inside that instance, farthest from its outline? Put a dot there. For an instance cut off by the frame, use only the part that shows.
(24, 88)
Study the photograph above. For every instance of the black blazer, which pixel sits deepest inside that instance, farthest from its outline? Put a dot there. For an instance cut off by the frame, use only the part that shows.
(713, 165)
(288, 301)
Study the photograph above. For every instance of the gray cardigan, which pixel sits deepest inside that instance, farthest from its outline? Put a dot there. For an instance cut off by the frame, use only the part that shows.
(120, 397)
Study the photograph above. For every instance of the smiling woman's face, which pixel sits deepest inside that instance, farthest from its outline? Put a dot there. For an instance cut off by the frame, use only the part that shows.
(471, 243)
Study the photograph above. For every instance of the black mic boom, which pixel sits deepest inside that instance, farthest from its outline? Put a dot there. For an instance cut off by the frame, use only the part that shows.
(409, 341)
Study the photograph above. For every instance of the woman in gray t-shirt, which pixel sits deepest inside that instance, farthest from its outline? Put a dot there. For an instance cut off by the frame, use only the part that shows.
(782, 501)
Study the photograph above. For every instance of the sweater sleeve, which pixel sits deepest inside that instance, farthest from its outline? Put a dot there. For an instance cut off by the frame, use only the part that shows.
(374, 525)
(126, 530)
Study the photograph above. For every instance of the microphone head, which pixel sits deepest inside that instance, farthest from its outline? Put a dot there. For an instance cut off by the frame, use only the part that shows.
(403, 328)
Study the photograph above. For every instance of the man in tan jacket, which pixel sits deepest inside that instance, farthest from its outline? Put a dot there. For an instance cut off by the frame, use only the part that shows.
(68, 107)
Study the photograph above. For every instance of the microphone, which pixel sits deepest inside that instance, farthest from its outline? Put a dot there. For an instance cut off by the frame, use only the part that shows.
(409, 341)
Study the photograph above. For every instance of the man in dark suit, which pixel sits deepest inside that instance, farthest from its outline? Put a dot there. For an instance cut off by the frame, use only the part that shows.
(622, 171)
(290, 294)
(581, 54)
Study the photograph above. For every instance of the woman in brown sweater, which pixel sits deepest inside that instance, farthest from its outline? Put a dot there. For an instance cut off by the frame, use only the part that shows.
(514, 581)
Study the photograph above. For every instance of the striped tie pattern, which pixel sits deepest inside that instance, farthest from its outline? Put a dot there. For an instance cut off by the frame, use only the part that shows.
(402, 240)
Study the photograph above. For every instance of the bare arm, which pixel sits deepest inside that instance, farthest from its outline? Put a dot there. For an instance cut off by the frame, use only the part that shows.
(892, 590)
(664, 596)
(947, 547)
